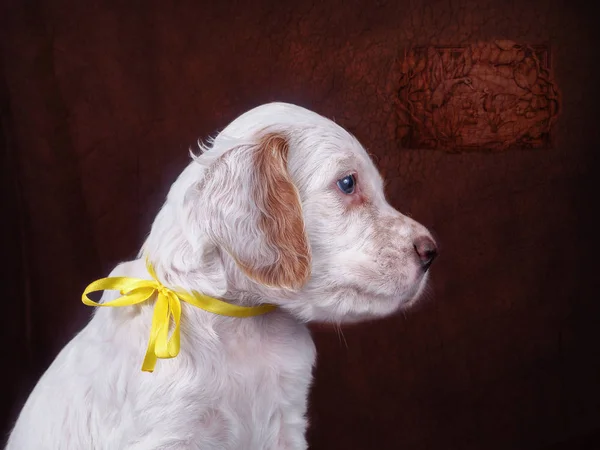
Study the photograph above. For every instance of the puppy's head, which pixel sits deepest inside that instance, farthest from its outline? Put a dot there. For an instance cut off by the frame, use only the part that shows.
(286, 207)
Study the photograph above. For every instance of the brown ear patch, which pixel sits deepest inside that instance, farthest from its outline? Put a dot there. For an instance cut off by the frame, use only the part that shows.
(280, 217)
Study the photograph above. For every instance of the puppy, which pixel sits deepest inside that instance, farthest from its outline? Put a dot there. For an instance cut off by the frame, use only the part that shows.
(283, 207)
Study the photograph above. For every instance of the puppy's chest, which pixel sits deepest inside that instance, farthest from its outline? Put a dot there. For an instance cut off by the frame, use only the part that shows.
(264, 383)
(271, 358)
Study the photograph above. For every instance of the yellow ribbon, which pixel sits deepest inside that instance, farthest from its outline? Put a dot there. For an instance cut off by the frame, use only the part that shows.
(166, 307)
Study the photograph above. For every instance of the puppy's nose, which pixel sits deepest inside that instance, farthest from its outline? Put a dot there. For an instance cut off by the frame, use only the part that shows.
(426, 249)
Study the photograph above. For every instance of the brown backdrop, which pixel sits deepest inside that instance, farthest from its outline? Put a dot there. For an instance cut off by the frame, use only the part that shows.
(100, 101)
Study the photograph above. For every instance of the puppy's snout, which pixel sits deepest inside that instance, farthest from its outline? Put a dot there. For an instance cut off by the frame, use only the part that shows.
(426, 250)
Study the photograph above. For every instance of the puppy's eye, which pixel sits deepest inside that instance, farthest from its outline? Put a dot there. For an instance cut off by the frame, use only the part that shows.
(347, 184)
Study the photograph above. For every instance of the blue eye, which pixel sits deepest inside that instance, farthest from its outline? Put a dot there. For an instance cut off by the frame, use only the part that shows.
(347, 184)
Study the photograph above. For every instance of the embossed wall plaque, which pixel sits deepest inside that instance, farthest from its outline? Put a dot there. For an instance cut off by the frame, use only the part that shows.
(486, 96)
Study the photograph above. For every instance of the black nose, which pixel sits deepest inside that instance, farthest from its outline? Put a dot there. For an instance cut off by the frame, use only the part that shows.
(426, 249)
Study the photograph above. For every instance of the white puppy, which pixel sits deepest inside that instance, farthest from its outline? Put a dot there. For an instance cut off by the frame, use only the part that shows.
(284, 207)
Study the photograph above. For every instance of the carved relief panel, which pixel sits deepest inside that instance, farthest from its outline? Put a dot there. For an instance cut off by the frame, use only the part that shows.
(486, 96)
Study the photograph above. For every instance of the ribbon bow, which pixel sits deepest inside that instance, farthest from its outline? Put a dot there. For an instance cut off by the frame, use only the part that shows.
(166, 308)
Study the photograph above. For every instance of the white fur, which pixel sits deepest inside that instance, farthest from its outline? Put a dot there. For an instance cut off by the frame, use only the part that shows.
(237, 383)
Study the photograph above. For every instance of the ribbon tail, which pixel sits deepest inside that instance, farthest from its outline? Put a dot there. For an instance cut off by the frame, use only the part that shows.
(168, 346)
(149, 360)
(158, 319)
(175, 341)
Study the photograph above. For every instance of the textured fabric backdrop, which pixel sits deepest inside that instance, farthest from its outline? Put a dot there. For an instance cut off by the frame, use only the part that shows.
(101, 101)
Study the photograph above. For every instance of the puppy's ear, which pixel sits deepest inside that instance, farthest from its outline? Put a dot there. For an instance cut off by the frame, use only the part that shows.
(279, 218)
(247, 205)
(237, 198)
